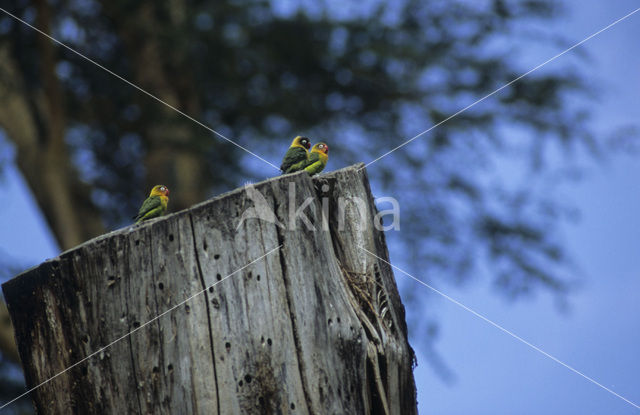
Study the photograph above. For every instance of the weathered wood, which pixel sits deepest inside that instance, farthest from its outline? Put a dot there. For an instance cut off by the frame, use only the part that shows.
(313, 327)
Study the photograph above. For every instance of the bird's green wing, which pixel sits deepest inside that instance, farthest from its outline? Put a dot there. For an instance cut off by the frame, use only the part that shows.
(151, 208)
(315, 164)
(292, 156)
(313, 158)
(153, 213)
(302, 164)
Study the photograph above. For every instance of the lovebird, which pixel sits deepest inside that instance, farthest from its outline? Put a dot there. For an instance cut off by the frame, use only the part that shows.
(155, 205)
(296, 156)
(318, 158)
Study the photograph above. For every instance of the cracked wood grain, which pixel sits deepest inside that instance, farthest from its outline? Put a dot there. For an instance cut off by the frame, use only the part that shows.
(290, 333)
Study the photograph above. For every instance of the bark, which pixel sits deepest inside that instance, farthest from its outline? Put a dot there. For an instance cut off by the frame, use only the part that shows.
(314, 327)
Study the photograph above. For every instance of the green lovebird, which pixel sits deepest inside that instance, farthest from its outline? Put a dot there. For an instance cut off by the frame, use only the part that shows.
(318, 158)
(155, 205)
(296, 156)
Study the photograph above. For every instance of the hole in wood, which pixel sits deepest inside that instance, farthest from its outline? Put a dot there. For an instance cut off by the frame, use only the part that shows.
(261, 401)
(269, 342)
(204, 244)
(329, 321)
(250, 275)
(215, 303)
(258, 277)
(136, 324)
(187, 308)
(227, 346)
(373, 389)
(216, 256)
(210, 289)
(171, 237)
(161, 286)
(170, 367)
(338, 319)
(240, 383)
(262, 339)
(156, 369)
(85, 338)
(137, 242)
(247, 378)
(293, 405)
(218, 277)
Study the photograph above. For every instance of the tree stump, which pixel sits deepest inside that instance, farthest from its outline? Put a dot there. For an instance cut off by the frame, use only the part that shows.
(315, 325)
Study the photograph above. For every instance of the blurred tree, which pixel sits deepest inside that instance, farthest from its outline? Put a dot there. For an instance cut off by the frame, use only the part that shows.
(364, 76)
(12, 385)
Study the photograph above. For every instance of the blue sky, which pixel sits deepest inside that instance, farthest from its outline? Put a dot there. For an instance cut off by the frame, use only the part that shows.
(598, 335)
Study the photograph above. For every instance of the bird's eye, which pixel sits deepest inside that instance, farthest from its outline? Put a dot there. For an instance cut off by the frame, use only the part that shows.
(162, 189)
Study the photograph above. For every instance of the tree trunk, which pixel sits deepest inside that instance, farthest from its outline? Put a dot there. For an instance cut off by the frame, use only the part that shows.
(173, 157)
(33, 118)
(314, 325)
(8, 346)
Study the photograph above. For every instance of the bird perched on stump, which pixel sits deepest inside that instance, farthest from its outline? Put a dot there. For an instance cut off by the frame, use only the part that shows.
(296, 156)
(155, 205)
(318, 158)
